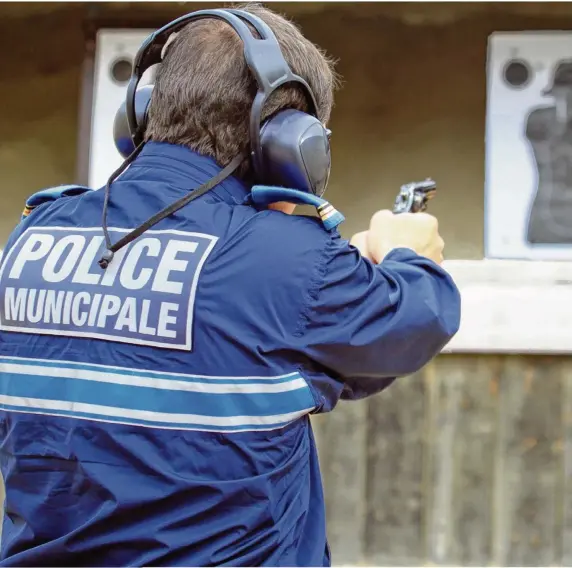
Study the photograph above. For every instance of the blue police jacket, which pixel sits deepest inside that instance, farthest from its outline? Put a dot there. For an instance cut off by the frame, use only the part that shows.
(158, 413)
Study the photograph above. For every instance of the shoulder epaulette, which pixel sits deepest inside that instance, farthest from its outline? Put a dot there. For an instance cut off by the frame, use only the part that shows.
(329, 215)
(51, 194)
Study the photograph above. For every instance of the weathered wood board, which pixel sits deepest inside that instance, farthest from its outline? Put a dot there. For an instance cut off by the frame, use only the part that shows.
(467, 463)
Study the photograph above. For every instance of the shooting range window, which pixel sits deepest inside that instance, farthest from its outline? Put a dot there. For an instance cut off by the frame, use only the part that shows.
(121, 70)
(517, 73)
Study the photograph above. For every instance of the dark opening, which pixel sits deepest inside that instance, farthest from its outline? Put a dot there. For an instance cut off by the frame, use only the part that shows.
(517, 73)
(121, 70)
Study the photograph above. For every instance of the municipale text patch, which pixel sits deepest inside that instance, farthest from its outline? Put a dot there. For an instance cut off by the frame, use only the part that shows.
(50, 283)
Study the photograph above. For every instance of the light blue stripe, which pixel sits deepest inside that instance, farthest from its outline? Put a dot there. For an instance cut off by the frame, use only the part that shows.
(153, 399)
(136, 422)
(151, 374)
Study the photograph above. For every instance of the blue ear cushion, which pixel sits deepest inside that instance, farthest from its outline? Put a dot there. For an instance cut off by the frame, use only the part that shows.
(121, 132)
(124, 146)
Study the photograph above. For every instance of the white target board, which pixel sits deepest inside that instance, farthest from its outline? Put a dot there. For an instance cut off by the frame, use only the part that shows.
(528, 194)
(115, 50)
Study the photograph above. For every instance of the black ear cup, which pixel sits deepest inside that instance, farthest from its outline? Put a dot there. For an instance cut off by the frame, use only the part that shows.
(296, 152)
(121, 133)
(291, 150)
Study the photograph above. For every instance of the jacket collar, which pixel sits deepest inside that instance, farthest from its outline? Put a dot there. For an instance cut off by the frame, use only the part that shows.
(184, 169)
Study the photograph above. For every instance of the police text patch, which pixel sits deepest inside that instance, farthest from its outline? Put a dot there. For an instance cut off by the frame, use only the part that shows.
(50, 283)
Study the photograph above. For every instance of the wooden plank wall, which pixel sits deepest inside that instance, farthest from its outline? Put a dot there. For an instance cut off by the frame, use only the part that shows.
(467, 463)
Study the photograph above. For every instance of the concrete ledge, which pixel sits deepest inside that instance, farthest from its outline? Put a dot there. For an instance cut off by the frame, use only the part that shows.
(513, 306)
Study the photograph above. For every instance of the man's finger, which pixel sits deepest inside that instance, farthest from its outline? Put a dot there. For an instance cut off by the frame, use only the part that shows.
(359, 240)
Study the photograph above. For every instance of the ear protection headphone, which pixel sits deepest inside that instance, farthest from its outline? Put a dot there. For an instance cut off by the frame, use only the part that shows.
(290, 150)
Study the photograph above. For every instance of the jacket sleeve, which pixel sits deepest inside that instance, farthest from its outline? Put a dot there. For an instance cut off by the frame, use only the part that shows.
(366, 324)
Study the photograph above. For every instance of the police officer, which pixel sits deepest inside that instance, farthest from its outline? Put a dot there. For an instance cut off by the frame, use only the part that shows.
(158, 373)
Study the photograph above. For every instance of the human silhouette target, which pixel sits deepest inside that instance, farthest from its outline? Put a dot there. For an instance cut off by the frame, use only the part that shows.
(549, 132)
(528, 192)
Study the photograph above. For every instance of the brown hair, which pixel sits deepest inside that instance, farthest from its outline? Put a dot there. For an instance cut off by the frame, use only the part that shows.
(204, 90)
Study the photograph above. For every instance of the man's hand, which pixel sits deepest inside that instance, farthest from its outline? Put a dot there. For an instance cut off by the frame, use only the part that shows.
(416, 231)
(359, 240)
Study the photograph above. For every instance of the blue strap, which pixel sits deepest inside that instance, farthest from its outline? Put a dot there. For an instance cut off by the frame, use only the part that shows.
(51, 194)
(265, 195)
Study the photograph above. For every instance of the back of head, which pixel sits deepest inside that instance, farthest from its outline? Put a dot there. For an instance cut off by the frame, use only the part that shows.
(204, 90)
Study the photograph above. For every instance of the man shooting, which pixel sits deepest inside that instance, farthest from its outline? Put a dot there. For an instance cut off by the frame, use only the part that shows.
(158, 374)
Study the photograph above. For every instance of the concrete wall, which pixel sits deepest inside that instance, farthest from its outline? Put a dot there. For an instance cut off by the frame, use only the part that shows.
(39, 76)
(413, 105)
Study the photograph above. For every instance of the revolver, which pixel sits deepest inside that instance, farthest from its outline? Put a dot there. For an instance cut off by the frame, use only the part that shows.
(413, 197)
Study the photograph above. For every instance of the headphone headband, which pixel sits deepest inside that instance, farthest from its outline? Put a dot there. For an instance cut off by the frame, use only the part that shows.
(263, 57)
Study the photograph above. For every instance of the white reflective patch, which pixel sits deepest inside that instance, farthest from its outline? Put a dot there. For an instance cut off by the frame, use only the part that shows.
(50, 283)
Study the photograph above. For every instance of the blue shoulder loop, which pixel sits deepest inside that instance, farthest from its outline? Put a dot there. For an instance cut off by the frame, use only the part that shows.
(51, 194)
(265, 195)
